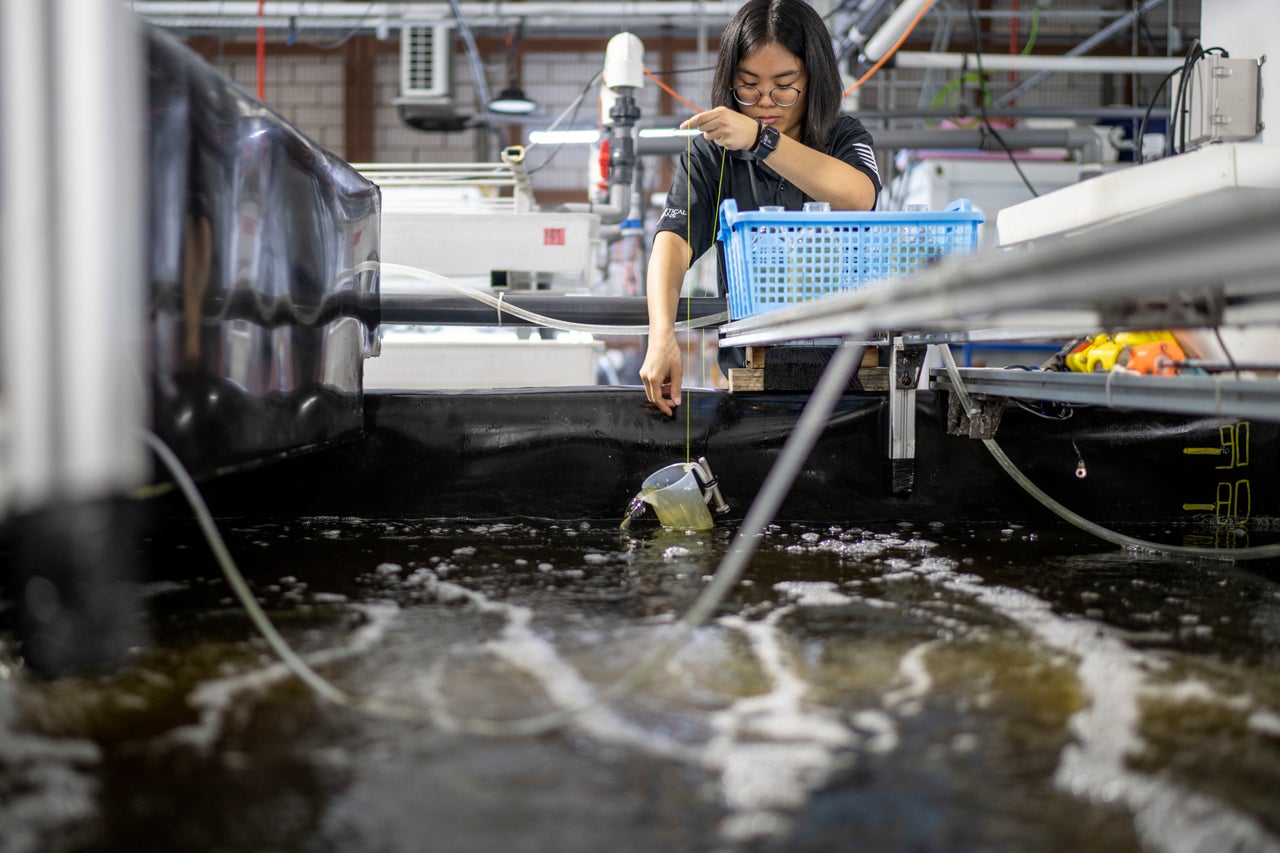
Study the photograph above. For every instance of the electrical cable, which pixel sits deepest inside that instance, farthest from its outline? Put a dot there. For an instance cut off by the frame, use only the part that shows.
(1176, 118)
(966, 403)
(477, 70)
(1217, 332)
(1179, 113)
(573, 108)
(1139, 155)
(516, 311)
(986, 122)
(672, 92)
(890, 52)
(939, 100)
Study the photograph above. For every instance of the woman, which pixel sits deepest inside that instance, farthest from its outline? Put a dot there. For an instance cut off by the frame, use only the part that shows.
(774, 137)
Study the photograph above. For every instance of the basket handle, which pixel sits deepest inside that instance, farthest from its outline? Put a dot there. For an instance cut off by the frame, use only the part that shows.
(962, 205)
(728, 212)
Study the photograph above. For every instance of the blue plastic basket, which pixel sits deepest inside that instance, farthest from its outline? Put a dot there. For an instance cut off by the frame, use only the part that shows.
(775, 259)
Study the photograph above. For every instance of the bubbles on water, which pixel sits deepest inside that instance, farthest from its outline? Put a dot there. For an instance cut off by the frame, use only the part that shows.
(1265, 722)
(876, 729)
(846, 646)
(813, 593)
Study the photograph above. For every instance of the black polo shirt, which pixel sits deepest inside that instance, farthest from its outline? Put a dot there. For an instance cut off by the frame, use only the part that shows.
(749, 182)
(692, 209)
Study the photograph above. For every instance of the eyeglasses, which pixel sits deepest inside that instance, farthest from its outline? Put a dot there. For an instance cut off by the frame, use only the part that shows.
(783, 96)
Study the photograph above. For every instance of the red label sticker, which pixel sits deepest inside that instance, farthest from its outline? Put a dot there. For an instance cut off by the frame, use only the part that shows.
(553, 236)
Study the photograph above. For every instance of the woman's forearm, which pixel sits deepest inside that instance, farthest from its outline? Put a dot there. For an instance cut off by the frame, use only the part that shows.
(667, 264)
(823, 177)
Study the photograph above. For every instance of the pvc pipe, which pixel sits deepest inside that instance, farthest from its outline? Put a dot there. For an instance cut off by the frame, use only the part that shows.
(892, 29)
(1035, 62)
(243, 13)
(624, 62)
(448, 309)
(1081, 138)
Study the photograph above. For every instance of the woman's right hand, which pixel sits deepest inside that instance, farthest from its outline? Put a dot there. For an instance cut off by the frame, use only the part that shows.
(661, 371)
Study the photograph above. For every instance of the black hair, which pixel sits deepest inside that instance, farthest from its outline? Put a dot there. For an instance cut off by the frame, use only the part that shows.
(795, 25)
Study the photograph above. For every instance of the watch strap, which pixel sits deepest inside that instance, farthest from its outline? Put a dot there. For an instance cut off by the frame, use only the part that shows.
(766, 141)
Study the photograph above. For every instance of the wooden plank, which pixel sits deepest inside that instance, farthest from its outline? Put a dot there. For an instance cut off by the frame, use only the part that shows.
(745, 379)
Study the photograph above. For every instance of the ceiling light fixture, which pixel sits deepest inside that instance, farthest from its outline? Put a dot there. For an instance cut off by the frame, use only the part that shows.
(512, 101)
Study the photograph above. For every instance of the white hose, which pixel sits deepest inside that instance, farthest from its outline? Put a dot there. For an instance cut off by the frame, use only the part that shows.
(799, 444)
(1252, 553)
(540, 319)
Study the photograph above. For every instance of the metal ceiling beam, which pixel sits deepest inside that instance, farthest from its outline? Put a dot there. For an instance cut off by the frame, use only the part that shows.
(1067, 63)
(1219, 395)
(1085, 46)
(196, 16)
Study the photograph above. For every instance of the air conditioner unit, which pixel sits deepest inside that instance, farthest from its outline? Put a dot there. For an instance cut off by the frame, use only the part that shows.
(425, 55)
(426, 84)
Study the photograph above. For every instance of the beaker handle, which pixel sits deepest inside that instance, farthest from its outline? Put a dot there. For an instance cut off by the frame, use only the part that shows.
(709, 485)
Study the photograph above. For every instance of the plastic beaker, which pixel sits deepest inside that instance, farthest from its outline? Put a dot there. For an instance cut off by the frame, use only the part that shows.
(677, 497)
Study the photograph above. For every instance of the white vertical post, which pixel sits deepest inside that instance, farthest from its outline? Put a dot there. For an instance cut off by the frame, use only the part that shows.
(72, 386)
(27, 261)
(101, 147)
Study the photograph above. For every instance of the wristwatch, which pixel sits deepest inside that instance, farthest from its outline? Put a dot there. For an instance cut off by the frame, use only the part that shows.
(766, 141)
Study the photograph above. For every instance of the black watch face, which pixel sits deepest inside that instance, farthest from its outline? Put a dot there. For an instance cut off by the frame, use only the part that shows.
(768, 142)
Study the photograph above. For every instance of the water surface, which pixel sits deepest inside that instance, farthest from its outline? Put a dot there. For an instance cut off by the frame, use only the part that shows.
(910, 688)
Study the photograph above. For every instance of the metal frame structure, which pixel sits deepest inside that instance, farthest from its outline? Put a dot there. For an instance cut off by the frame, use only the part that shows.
(439, 187)
(1202, 262)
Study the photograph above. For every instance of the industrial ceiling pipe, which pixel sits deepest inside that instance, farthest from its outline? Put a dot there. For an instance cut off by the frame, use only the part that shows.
(290, 14)
(1038, 62)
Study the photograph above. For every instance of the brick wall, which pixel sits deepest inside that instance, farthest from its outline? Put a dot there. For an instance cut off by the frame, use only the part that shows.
(308, 91)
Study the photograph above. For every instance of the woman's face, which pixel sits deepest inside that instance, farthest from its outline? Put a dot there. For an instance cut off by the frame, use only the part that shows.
(767, 68)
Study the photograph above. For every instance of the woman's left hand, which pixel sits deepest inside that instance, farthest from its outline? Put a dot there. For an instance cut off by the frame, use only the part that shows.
(727, 128)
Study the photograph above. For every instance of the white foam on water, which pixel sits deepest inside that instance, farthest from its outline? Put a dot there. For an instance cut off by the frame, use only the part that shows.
(813, 593)
(47, 782)
(878, 730)
(523, 648)
(1195, 690)
(906, 700)
(155, 589)
(212, 699)
(1166, 815)
(773, 749)
(1264, 722)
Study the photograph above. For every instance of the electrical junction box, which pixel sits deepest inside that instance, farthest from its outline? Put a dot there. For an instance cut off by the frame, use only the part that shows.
(1221, 100)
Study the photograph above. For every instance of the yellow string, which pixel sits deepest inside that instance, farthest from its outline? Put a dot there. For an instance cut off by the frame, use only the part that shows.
(688, 298)
(688, 302)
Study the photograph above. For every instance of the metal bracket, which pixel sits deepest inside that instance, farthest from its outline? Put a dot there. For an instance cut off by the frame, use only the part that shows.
(984, 423)
(905, 363)
(907, 359)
